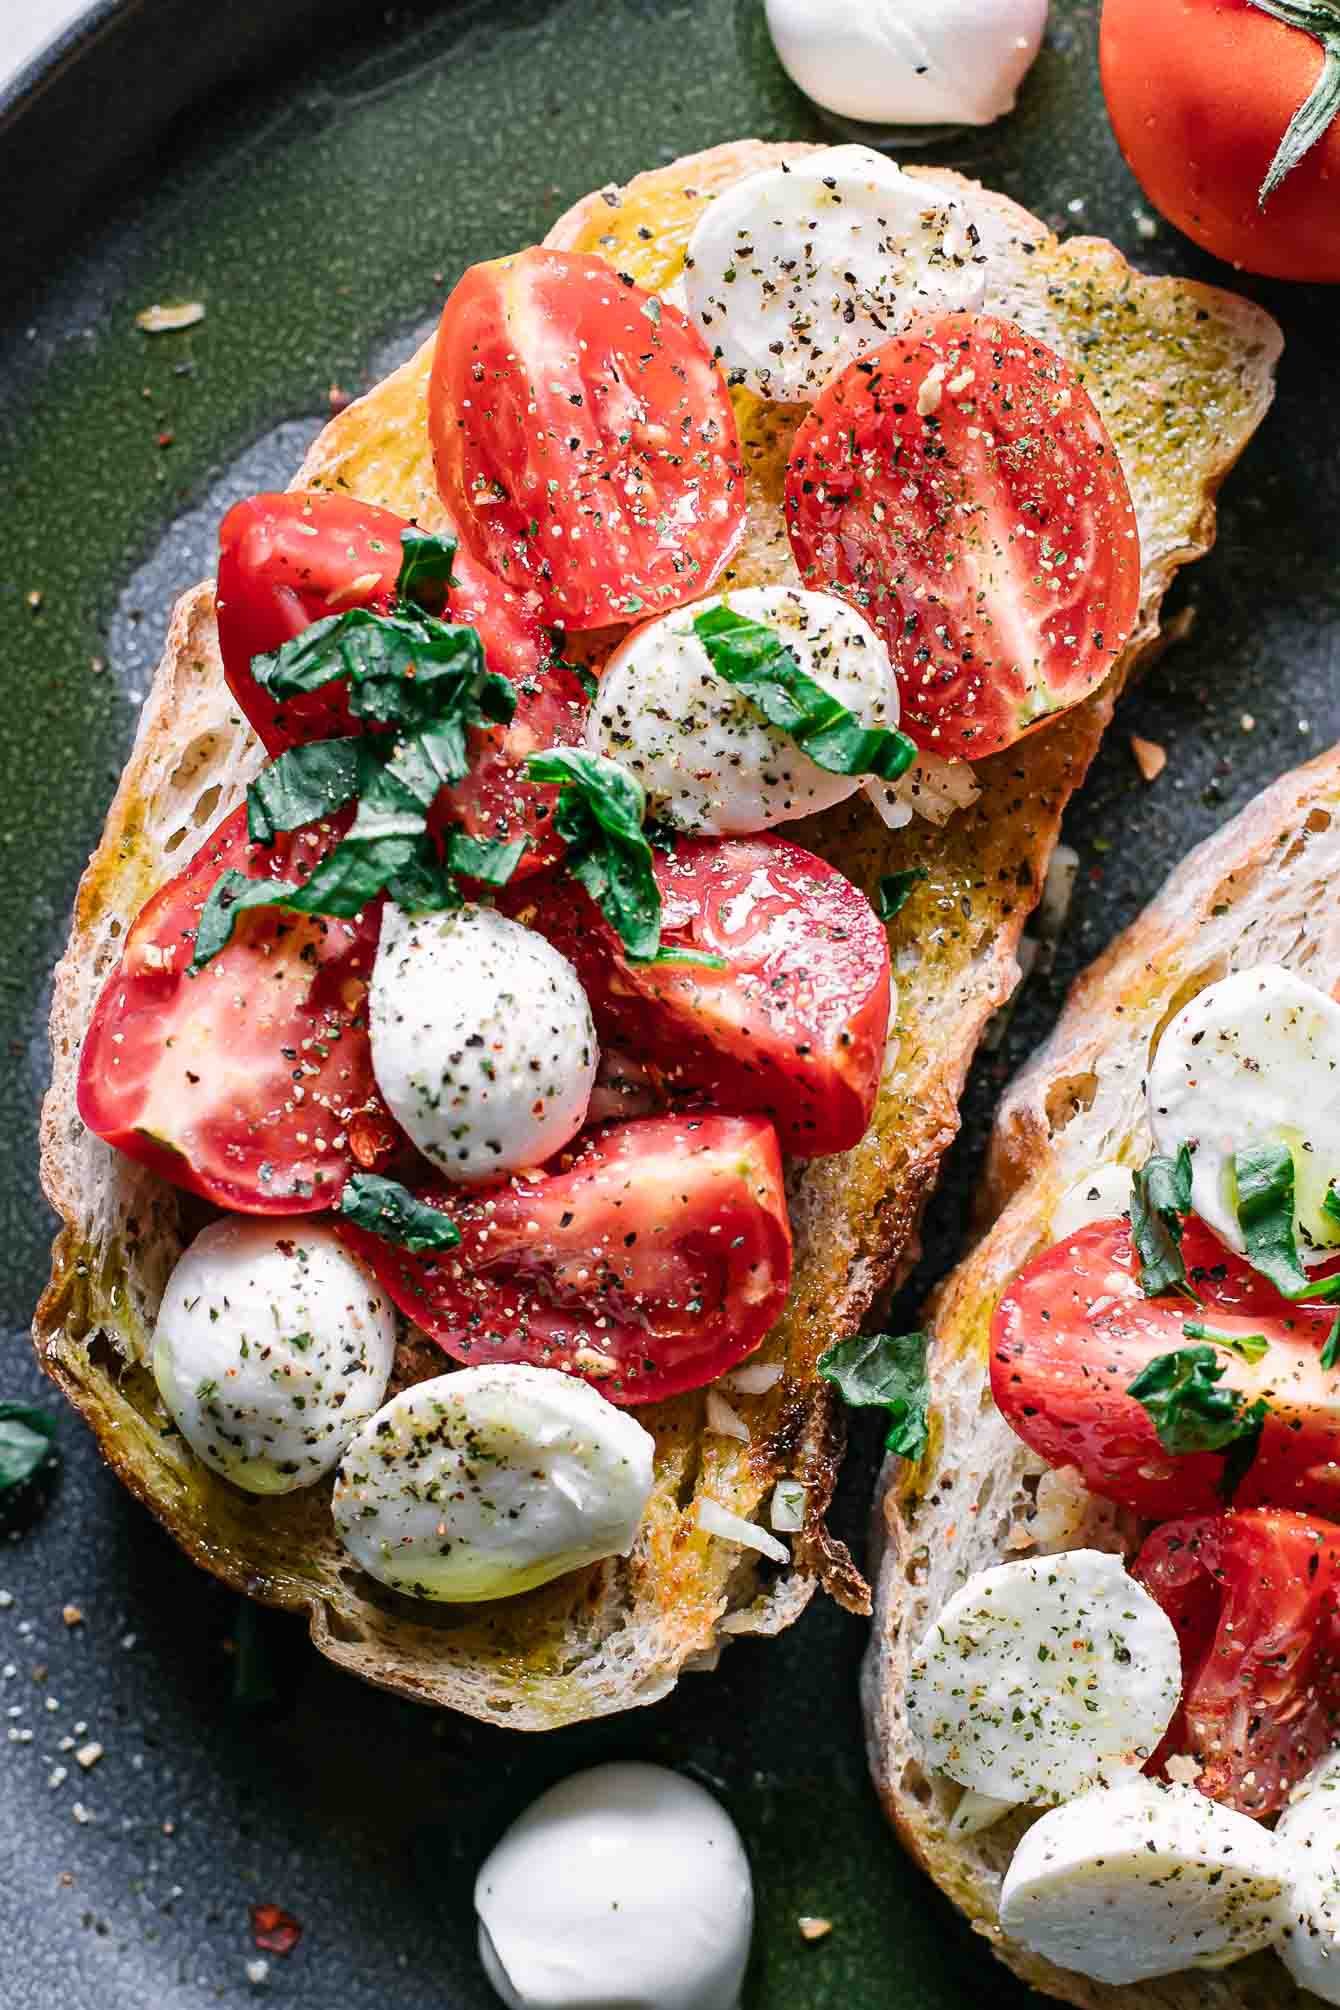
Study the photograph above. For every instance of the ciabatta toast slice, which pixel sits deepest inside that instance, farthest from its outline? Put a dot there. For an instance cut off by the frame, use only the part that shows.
(1183, 375)
(1261, 890)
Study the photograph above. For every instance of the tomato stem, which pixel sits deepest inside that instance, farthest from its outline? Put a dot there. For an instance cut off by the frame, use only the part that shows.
(1312, 120)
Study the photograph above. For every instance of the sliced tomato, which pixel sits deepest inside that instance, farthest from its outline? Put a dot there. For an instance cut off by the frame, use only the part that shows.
(1253, 1598)
(960, 489)
(584, 439)
(288, 560)
(793, 1026)
(656, 1255)
(251, 1082)
(1074, 1330)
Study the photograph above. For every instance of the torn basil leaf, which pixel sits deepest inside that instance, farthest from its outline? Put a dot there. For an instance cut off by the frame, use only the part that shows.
(599, 815)
(885, 1371)
(488, 860)
(425, 568)
(1264, 1177)
(305, 784)
(752, 656)
(1191, 1412)
(1330, 1353)
(894, 889)
(406, 670)
(383, 1207)
(1160, 1198)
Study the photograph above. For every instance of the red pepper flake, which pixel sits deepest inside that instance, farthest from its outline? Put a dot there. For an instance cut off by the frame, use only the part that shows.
(273, 1930)
(337, 397)
(166, 439)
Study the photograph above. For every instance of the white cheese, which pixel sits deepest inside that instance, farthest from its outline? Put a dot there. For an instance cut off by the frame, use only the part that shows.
(909, 62)
(1309, 1829)
(1101, 1195)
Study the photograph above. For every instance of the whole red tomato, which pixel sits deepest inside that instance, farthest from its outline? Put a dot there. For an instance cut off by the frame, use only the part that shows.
(1201, 94)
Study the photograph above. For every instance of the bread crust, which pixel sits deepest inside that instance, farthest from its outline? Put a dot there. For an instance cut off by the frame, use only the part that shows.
(619, 1634)
(1259, 890)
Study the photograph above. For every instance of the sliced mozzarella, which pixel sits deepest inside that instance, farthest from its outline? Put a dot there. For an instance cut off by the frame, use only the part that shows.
(707, 757)
(794, 272)
(1139, 1880)
(489, 1481)
(1101, 1195)
(271, 1349)
(909, 62)
(1042, 1675)
(482, 1040)
(623, 1886)
(1309, 1828)
(976, 1813)
(1253, 1060)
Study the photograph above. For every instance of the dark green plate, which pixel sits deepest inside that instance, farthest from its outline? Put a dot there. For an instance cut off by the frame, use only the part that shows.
(321, 210)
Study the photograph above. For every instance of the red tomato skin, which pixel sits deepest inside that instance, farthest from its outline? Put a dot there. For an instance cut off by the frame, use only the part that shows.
(1200, 93)
(794, 1028)
(1253, 1598)
(1059, 1375)
(287, 560)
(198, 1076)
(918, 517)
(650, 1259)
(584, 440)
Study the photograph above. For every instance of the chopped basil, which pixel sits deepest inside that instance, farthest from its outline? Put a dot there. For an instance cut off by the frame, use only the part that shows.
(425, 568)
(1248, 1346)
(27, 1443)
(752, 656)
(894, 889)
(304, 784)
(888, 1371)
(1331, 1204)
(1330, 1353)
(383, 1207)
(1264, 1177)
(486, 859)
(1191, 1413)
(406, 670)
(669, 952)
(599, 815)
(1160, 1197)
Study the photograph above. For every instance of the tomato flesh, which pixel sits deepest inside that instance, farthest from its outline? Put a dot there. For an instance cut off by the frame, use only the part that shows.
(793, 1027)
(653, 1258)
(584, 440)
(251, 1082)
(1253, 1598)
(1074, 1330)
(288, 560)
(960, 489)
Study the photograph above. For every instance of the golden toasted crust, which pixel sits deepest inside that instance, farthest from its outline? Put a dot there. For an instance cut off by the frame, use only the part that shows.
(1261, 890)
(618, 1635)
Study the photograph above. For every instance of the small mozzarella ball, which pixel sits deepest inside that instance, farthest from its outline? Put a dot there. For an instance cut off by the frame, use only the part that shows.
(1138, 1880)
(272, 1348)
(1253, 1060)
(1042, 1675)
(1309, 1828)
(1102, 1195)
(482, 1040)
(708, 759)
(792, 273)
(489, 1481)
(625, 1885)
(909, 62)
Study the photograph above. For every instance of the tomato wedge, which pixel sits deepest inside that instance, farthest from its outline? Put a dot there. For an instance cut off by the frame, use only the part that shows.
(657, 1256)
(959, 487)
(1074, 1330)
(1253, 1598)
(793, 1026)
(584, 439)
(288, 560)
(251, 1082)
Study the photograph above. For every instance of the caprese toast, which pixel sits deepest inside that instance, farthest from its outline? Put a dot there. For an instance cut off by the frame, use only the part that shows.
(520, 1001)
(1103, 1691)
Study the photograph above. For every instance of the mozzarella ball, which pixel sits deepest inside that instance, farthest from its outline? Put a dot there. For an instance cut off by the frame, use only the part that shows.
(482, 1041)
(273, 1347)
(708, 759)
(489, 1481)
(909, 62)
(624, 1885)
(1253, 1060)
(1309, 1829)
(792, 273)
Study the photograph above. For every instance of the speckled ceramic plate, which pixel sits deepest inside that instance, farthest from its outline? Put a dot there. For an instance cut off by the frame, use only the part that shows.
(319, 188)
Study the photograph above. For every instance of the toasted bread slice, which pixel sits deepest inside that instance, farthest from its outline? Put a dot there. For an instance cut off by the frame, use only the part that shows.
(1261, 890)
(1183, 375)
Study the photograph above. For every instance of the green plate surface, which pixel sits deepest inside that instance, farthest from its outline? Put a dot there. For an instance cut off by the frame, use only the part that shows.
(321, 214)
